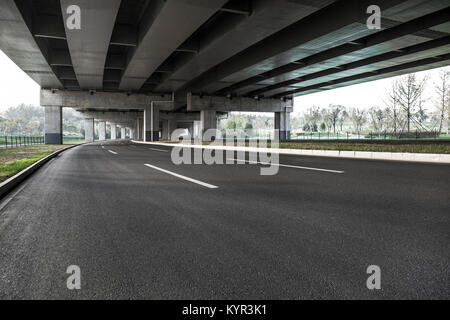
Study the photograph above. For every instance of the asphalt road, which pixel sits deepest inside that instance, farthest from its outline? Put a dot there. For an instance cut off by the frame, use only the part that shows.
(138, 232)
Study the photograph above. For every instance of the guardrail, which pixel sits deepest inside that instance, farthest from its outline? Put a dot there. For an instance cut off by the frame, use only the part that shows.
(19, 141)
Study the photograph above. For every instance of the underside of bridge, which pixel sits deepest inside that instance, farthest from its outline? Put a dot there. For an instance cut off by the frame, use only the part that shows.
(151, 66)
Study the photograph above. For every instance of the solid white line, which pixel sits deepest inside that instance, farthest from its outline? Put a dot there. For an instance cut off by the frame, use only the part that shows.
(160, 150)
(207, 185)
(113, 152)
(287, 166)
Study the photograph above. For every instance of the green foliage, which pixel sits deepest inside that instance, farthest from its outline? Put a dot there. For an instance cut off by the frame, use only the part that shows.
(28, 120)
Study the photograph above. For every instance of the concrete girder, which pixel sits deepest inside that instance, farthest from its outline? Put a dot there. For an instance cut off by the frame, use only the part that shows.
(420, 49)
(103, 100)
(441, 60)
(401, 30)
(18, 43)
(197, 103)
(173, 24)
(89, 45)
(338, 15)
(234, 34)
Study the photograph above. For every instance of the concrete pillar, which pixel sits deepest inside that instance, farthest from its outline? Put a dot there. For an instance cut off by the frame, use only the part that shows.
(101, 130)
(137, 137)
(53, 125)
(208, 120)
(89, 130)
(283, 125)
(171, 127)
(113, 131)
(123, 133)
(151, 124)
(165, 130)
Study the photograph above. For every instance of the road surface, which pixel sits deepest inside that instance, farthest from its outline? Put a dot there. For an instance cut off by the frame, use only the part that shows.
(138, 228)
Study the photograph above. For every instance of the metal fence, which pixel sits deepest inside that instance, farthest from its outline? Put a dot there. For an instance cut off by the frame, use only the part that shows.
(413, 135)
(19, 141)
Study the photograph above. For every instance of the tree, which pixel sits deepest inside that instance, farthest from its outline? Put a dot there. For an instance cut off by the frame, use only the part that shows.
(343, 116)
(392, 108)
(377, 118)
(331, 115)
(358, 118)
(312, 117)
(442, 89)
(409, 96)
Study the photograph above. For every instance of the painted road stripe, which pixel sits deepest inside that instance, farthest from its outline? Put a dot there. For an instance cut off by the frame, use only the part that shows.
(113, 152)
(286, 165)
(160, 150)
(207, 185)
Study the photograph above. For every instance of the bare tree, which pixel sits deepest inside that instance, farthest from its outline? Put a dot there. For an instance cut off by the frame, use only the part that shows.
(409, 95)
(442, 89)
(332, 115)
(312, 117)
(343, 116)
(377, 117)
(358, 118)
(392, 107)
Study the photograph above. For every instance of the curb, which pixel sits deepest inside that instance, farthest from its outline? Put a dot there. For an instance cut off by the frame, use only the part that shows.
(14, 181)
(364, 155)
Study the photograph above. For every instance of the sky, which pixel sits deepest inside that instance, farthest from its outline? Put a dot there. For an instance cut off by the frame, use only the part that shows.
(17, 87)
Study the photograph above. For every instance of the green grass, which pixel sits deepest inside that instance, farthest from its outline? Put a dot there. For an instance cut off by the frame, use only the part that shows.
(11, 168)
(14, 160)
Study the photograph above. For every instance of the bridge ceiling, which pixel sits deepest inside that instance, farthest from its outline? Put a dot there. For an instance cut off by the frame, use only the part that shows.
(255, 48)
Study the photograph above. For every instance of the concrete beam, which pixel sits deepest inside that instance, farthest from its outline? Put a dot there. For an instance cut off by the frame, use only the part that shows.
(89, 45)
(337, 15)
(104, 100)
(18, 43)
(197, 103)
(171, 24)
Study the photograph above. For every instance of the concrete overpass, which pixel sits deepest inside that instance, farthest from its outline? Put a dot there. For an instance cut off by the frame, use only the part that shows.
(146, 65)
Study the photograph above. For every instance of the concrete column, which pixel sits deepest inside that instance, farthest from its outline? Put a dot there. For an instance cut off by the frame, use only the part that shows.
(165, 130)
(89, 130)
(113, 131)
(53, 125)
(123, 133)
(137, 137)
(132, 133)
(101, 130)
(283, 125)
(208, 120)
(151, 124)
(171, 127)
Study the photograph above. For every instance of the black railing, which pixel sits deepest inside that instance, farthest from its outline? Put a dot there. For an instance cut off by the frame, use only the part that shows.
(19, 141)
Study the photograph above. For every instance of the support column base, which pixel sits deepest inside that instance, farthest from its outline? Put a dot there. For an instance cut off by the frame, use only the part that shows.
(53, 138)
(151, 136)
